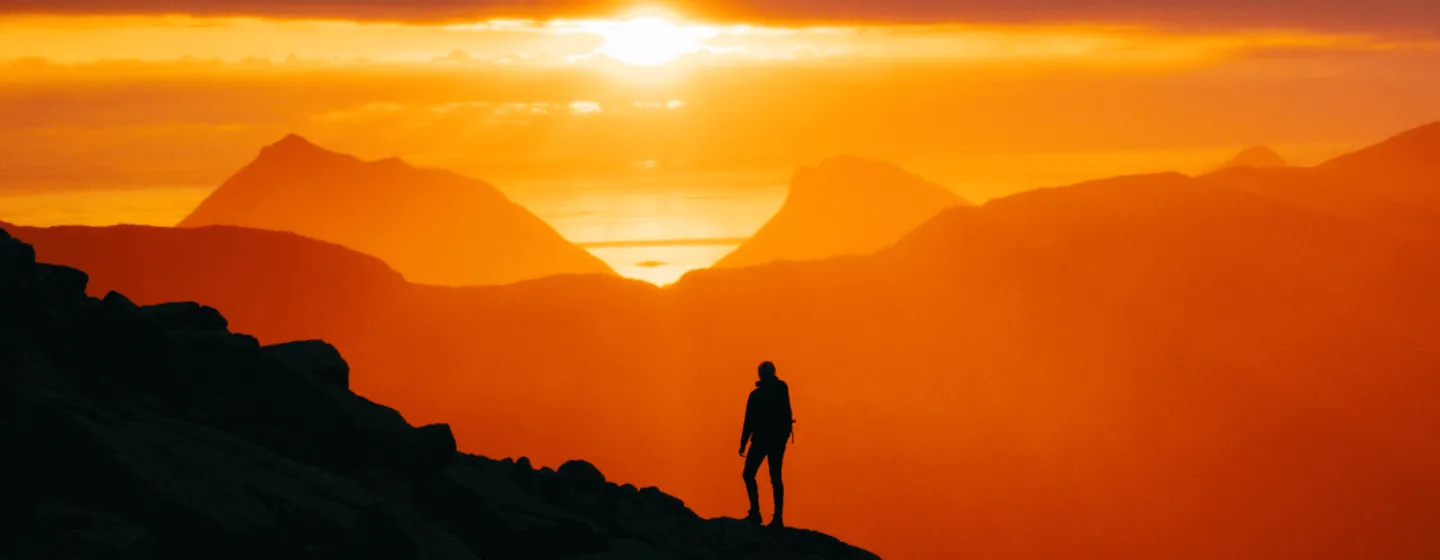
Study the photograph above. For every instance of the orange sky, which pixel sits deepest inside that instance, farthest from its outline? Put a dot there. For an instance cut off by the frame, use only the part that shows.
(1183, 345)
(166, 99)
(546, 108)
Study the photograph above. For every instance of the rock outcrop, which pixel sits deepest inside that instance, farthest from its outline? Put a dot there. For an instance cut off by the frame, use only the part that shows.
(154, 432)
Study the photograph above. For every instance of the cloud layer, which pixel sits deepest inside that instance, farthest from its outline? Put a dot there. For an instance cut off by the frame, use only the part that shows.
(1400, 16)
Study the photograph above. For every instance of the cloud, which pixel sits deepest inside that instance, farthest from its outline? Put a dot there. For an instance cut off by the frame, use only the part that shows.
(1405, 16)
(456, 57)
(368, 112)
(585, 107)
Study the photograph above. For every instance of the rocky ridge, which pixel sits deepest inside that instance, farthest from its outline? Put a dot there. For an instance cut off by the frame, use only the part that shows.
(156, 432)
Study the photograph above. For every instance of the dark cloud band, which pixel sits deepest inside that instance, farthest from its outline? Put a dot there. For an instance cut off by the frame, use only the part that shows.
(1420, 17)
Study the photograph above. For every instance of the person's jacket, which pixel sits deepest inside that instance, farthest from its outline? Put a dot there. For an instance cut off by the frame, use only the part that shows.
(767, 414)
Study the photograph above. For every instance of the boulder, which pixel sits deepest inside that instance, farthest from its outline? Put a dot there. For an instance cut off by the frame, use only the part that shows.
(316, 358)
(186, 316)
(581, 476)
(117, 301)
(64, 280)
(16, 254)
(522, 474)
(424, 449)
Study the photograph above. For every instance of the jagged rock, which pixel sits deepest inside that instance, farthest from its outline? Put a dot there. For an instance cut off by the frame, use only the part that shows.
(522, 474)
(66, 280)
(502, 520)
(424, 449)
(582, 476)
(662, 502)
(186, 315)
(245, 340)
(314, 357)
(118, 301)
(375, 421)
(13, 254)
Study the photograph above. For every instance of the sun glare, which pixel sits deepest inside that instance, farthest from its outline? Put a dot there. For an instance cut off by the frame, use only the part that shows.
(650, 40)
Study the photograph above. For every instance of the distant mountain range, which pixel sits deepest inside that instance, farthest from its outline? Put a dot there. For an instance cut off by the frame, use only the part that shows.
(843, 206)
(1239, 364)
(433, 226)
(1393, 185)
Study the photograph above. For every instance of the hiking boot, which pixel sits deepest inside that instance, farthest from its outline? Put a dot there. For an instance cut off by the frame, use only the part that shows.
(776, 522)
(754, 518)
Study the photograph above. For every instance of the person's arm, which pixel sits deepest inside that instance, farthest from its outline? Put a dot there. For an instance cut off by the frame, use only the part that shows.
(749, 427)
(789, 413)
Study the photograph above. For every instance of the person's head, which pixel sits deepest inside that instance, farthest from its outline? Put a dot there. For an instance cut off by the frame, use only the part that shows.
(767, 370)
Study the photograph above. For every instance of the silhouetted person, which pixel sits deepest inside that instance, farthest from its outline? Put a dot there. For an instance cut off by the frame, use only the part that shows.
(768, 421)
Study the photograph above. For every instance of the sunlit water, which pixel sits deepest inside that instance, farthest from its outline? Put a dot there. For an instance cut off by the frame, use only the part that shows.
(652, 231)
(650, 226)
(100, 206)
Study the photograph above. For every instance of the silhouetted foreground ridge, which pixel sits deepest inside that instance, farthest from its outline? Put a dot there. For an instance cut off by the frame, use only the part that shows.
(155, 432)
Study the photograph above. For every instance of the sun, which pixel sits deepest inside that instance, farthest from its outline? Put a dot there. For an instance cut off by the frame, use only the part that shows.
(650, 40)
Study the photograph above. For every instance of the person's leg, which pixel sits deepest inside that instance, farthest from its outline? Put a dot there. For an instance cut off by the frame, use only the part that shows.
(752, 466)
(776, 459)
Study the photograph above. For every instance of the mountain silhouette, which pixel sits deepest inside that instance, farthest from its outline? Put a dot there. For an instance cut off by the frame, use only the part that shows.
(433, 226)
(1411, 147)
(1393, 185)
(1147, 353)
(1235, 365)
(1256, 157)
(843, 206)
(252, 274)
(157, 432)
(1405, 166)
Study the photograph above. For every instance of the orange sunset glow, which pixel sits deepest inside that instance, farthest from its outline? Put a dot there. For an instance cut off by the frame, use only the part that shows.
(1055, 279)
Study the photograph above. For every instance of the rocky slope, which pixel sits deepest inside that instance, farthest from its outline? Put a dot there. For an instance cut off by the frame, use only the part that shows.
(155, 432)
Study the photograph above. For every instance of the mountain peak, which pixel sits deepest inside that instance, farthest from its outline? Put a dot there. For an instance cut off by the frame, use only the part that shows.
(1257, 157)
(295, 141)
(433, 226)
(393, 161)
(847, 170)
(292, 146)
(843, 205)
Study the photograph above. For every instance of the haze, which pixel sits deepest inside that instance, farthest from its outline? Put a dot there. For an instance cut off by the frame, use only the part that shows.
(1088, 280)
